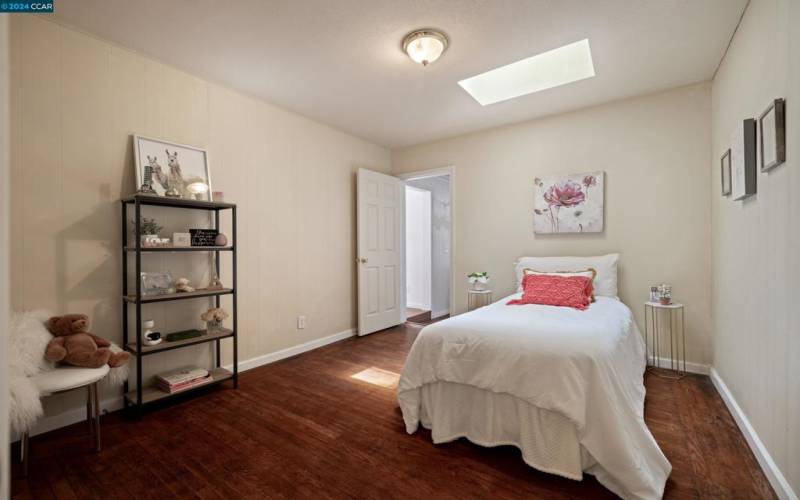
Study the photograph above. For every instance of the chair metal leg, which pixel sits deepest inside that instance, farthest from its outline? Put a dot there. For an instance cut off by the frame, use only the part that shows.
(24, 448)
(96, 397)
(89, 414)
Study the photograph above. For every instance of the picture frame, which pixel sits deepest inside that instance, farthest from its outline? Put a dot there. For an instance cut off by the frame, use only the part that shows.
(203, 237)
(170, 169)
(772, 135)
(569, 203)
(743, 160)
(725, 172)
(157, 283)
(181, 240)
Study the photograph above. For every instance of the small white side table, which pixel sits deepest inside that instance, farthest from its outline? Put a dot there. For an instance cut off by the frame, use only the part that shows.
(478, 298)
(660, 320)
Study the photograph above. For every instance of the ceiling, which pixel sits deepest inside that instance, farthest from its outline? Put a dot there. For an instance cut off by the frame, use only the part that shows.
(340, 61)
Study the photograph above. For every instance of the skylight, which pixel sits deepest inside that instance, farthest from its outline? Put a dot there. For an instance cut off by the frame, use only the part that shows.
(553, 68)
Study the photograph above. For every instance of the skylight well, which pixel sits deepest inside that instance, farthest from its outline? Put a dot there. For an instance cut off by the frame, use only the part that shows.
(553, 68)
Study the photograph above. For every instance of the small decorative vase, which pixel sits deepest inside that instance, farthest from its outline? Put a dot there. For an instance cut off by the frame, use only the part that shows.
(213, 326)
(215, 284)
(149, 240)
(478, 286)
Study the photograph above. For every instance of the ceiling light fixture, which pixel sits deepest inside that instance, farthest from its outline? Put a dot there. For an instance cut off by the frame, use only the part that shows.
(553, 68)
(424, 46)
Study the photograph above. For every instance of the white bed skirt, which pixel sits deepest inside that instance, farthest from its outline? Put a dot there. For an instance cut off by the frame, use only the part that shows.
(548, 441)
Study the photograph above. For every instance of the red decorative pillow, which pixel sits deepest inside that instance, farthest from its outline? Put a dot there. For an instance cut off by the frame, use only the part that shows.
(555, 290)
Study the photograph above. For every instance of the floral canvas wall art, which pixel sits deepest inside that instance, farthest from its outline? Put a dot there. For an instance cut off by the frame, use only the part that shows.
(568, 203)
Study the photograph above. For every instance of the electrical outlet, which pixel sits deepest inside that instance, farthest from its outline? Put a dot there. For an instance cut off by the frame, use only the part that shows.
(301, 322)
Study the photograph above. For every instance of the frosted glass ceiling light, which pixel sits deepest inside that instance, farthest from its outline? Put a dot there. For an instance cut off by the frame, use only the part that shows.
(424, 46)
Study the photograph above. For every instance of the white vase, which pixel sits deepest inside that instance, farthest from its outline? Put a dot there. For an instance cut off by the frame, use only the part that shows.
(478, 286)
(149, 240)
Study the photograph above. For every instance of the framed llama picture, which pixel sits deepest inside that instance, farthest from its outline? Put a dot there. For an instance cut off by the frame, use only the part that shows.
(172, 170)
(569, 203)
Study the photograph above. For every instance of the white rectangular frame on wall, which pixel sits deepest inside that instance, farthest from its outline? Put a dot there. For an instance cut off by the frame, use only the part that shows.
(449, 170)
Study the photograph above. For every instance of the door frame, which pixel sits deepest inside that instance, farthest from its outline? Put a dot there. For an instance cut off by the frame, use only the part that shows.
(422, 174)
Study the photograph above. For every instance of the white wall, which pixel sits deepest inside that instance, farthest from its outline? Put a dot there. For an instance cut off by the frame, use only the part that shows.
(418, 248)
(654, 150)
(756, 243)
(76, 100)
(4, 221)
(439, 187)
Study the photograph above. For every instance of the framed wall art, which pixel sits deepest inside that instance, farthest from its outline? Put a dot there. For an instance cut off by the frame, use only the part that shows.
(743, 160)
(772, 135)
(569, 203)
(173, 170)
(725, 171)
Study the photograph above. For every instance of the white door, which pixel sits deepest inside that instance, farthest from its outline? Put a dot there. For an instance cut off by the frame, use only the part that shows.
(381, 207)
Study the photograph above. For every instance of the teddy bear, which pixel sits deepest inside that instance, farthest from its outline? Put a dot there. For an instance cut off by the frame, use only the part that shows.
(182, 285)
(74, 345)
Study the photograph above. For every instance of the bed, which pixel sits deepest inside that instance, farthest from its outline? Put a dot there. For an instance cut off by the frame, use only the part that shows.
(564, 386)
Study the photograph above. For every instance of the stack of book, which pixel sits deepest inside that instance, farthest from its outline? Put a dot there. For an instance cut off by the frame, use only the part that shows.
(182, 378)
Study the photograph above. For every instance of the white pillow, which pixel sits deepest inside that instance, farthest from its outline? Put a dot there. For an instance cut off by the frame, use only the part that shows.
(605, 283)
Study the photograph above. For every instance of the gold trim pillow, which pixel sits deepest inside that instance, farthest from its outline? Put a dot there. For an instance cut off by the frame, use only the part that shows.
(588, 273)
(605, 283)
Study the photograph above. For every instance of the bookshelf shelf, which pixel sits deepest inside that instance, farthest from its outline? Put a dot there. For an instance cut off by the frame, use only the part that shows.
(179, 249)
(177, 344)
(153, 394)
(178, 296)
(162, 201)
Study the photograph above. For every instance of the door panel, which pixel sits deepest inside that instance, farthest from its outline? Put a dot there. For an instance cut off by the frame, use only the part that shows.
(379, 260)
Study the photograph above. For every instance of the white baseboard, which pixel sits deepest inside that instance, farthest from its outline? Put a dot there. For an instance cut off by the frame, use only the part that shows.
(272, 357)
(417, 306)
(698, 368)
(437, 314)
(771, 470)
(74, 415)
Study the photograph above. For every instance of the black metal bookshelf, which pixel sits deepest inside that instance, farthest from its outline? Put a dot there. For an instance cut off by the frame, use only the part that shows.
(141, 396)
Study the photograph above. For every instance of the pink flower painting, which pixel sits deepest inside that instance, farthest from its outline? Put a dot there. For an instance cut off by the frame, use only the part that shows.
(564, 194)
(562, 204)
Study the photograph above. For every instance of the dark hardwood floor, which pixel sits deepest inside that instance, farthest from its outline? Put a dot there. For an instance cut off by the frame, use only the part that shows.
(303, 428)
(420, 316)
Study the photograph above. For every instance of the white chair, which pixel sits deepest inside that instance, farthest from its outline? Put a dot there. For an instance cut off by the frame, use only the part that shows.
(67, 378)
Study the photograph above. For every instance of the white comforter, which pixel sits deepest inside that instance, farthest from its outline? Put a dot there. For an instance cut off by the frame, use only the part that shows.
(585, 365)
